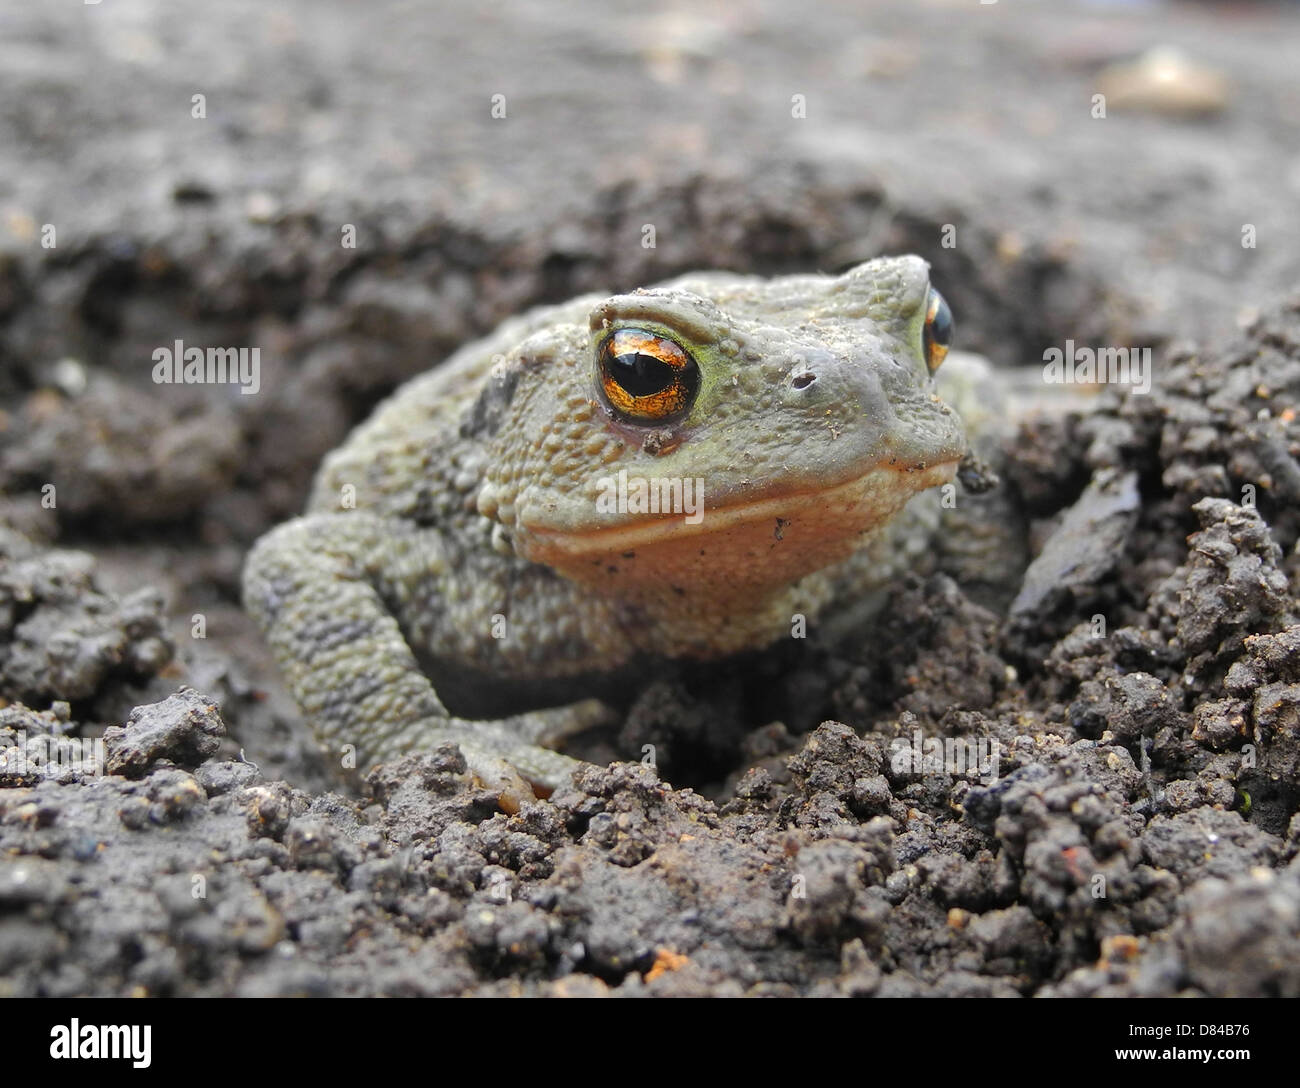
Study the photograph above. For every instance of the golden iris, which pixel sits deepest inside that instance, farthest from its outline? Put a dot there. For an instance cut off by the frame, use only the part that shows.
(646, 376)
(938, 330)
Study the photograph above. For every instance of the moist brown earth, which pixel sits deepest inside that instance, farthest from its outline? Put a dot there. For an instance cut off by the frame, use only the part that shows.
(1140, 836)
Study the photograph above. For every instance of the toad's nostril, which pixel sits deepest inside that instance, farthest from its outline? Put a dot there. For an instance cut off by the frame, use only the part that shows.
(803, 379)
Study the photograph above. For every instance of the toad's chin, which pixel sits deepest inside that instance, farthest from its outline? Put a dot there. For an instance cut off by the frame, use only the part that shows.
(742, 545)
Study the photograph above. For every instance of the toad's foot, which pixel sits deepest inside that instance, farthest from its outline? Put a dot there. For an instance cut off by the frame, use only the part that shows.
(315, 585)
(503, 763)
(506, 754)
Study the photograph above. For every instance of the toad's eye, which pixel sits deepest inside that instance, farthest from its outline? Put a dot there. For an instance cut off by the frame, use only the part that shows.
(937, 337)
(645, 376)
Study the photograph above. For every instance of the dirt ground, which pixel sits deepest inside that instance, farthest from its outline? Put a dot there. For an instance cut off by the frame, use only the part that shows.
(1141, 834)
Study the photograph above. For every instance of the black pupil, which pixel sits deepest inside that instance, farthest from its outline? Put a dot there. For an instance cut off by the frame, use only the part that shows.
(641, 375)
(939, 326)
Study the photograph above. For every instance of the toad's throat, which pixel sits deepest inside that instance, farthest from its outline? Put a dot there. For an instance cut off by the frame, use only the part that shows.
(762, 541)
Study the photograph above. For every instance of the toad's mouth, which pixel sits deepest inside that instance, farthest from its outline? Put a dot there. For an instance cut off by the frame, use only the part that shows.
(802, 529)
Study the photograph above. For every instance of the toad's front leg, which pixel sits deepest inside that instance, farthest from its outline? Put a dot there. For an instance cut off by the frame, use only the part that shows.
(317, 587)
